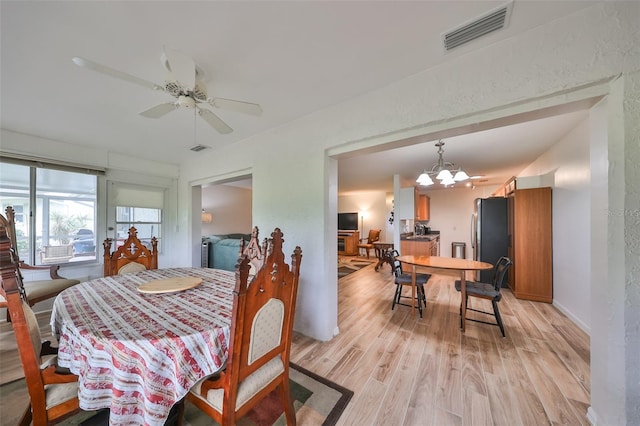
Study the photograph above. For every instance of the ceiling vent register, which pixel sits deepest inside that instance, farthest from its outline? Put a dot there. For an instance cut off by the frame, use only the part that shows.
(198, 148)
(492, 21)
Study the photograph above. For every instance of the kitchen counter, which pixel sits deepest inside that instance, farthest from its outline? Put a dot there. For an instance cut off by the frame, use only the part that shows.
(428, 237)
(420, 245)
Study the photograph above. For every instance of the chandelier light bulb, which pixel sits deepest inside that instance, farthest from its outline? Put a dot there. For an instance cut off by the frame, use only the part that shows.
(447, 181)
(460, 176)
(444, 175)
(424, 179)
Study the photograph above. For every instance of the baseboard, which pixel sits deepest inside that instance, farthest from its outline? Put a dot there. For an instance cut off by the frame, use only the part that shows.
(592, 417)
(573, 318)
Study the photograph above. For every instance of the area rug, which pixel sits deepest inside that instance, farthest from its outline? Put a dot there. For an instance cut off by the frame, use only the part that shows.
(317, 401)
(347, 266)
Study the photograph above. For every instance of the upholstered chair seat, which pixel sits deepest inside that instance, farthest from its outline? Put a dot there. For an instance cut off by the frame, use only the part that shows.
(247, 389)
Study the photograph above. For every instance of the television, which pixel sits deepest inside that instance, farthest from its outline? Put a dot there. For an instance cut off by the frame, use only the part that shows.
(348, 221)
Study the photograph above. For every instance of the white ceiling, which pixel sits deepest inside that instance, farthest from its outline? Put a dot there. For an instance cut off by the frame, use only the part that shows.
(293, 58)
(493, 155)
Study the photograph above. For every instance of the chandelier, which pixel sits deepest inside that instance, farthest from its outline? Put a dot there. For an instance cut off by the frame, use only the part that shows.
(444, 171)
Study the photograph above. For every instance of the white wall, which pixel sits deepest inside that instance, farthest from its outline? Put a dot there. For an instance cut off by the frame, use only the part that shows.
(370, 204)
(231, 209)
(567, 163)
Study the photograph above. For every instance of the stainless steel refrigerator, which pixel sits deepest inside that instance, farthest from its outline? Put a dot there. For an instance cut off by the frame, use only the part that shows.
(489, 233)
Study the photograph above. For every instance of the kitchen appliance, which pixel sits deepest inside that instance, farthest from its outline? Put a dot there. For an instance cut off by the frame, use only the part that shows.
(421, 229)
(489, 234)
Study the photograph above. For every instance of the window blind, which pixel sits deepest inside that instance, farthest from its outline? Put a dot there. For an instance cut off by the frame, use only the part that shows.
(129, 195)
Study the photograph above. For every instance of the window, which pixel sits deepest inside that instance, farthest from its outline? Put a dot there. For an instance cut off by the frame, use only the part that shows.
(139, 206)
(55, 210)
(147, 221)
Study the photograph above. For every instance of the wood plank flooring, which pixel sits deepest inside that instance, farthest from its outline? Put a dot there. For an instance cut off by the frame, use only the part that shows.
(424, 371)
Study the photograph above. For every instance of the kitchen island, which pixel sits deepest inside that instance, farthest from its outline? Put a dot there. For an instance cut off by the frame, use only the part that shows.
(420, 245)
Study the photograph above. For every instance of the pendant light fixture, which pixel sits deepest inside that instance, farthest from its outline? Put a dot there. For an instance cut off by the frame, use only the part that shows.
(447, 173)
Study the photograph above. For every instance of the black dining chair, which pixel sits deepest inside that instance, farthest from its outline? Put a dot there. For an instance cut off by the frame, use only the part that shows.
(490, 291)
(403, 279)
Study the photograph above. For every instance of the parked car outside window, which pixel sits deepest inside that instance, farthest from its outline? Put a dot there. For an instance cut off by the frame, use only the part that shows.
(83, 243)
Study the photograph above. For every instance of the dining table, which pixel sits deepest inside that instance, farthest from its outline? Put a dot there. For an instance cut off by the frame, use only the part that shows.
(444, 263)
(139, 342)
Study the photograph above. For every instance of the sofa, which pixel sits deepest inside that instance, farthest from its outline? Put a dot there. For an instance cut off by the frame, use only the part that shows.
(223, 250)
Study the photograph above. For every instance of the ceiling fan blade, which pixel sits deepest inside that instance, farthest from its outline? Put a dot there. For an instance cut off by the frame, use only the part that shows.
(214, 121)
(159, 110)
(182, 67)
(239, 106)
(103, 69)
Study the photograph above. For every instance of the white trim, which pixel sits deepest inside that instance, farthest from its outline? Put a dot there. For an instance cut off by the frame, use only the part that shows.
(573, 318)
(592, 417)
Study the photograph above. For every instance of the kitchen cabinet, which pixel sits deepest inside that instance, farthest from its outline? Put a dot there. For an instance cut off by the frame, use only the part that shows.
(530, 248)
(422, 207)
(506, 189)
(420, 247)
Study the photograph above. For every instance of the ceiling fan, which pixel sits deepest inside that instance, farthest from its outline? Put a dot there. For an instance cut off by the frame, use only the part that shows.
(184, 82)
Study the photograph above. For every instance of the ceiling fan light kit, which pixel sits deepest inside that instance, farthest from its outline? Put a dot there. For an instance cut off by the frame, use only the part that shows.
(447, 173)
(186, 101)
(185, 83)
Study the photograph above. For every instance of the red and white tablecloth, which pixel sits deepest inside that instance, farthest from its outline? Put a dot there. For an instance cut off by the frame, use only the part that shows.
(138, 354)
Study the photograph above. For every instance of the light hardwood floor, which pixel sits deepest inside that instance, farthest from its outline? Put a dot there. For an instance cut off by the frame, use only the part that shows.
(424, 371)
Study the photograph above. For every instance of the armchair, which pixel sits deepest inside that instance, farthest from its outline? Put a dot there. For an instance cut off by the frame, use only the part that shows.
(374, 235)
(39, 290)
(53, 392)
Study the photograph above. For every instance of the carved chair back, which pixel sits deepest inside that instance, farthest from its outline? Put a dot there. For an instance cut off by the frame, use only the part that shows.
(132, 256)
(261, 333)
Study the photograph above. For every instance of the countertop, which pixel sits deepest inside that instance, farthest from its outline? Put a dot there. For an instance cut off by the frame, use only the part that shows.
(429, 237)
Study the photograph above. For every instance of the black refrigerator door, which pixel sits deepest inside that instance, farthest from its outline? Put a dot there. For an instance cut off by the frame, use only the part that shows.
(493, 239)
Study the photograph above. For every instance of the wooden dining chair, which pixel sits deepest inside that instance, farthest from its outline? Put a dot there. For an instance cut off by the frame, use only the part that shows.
(367, 244)
(490, 291)
(53, 392)
(260, 342)
(132, 256)
(402, 280)
(34, 291)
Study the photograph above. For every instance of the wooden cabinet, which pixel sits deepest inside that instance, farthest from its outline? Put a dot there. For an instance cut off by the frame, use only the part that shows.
(348, 242)
(419, 247)
(506, 189)
(530, 248)
(435, 247)
(422, 206)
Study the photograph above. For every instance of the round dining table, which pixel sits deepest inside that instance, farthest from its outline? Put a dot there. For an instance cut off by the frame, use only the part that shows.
(444, 263)
(138, 342)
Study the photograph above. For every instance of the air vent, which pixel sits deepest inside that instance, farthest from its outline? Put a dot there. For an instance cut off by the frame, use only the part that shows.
(489, 22)
(199, 148)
